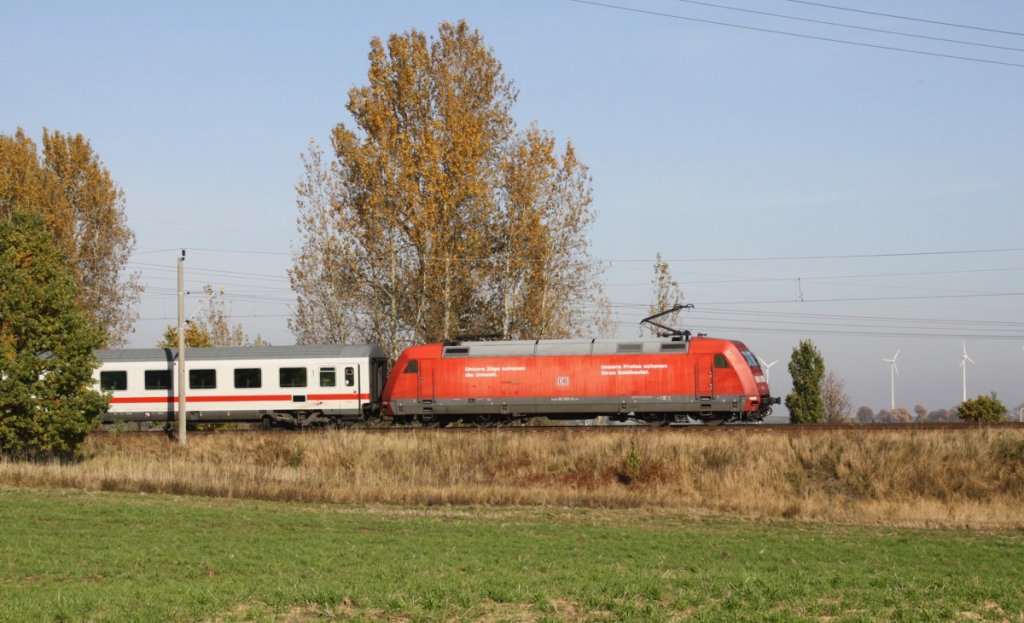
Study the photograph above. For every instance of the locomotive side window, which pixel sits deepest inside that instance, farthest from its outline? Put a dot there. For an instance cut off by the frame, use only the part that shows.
(114, 381)
(202, 379)
(248, 378)
(293, 377)
(412, 366)
(350, 376)
(720, 361)
(158, 379)
(328, 377)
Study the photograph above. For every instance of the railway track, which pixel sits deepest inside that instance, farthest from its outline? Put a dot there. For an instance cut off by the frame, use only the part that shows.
(787, 429)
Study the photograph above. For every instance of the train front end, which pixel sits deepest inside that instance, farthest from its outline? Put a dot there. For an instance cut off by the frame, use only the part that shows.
(759, 398)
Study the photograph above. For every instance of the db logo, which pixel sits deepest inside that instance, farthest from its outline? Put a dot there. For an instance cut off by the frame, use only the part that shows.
(562, 380)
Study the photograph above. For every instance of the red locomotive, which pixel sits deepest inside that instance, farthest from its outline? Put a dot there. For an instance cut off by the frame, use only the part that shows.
(660, 380)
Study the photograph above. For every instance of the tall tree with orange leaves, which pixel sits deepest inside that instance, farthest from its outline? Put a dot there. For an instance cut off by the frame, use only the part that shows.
(437, 218)
(83, 208)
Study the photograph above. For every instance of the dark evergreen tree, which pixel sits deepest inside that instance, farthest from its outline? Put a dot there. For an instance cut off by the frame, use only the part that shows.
(47, 400)
(807, 368)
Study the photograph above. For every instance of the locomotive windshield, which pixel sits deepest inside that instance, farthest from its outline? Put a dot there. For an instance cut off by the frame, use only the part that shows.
(751, 359)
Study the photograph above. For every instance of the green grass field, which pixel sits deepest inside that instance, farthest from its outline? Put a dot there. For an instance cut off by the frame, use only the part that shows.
(74, 556)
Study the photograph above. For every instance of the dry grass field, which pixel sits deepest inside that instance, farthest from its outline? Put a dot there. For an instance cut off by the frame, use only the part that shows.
(913, 478)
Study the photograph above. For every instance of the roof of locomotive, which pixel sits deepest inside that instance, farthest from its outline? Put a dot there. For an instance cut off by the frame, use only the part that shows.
(228, 353)
(541, 348)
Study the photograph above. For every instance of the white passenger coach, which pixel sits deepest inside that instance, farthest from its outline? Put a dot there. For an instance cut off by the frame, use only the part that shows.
(292, 385)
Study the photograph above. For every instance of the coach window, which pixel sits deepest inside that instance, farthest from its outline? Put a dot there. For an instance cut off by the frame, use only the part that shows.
(293, 377)
(412, 366)
(328, 377)
(114, 381)
(202, 379)
(720, 361)
(248, 378)
(350, 376)
(158, 379)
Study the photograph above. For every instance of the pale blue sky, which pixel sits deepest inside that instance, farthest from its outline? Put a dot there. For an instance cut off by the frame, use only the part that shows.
(711, 144)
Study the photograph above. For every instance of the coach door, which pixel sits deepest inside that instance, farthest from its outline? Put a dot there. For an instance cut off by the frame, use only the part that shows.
(380, 377)
(705, 381)
(425, 387)
(354, 384)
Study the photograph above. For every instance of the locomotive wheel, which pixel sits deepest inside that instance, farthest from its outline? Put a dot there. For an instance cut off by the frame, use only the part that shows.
(482, 421)
(434, 421)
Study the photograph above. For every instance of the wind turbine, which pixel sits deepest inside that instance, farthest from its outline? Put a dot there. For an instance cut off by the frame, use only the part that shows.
(768, 367)
(893, 371)
(963, 367)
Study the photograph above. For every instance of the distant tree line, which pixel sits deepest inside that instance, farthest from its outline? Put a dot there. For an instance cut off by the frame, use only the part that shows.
(984, 408)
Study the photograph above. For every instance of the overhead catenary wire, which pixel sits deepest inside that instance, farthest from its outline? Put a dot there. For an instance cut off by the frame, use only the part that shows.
(800, 35)
(844, 256)
(904, 17)
(851, 26)
(264, 294)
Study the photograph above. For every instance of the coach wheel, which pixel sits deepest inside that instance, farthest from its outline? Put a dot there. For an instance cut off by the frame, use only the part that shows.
(267, 422)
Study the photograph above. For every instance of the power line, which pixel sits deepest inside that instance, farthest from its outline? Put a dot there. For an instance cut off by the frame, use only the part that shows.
(850, 325)
(912, 19)
(846, 256)
(211, 271)
(688, 282)
(239, 251)
(858, 317)
(849, 256)
(851, 299)
(849, 333)
(851, 26)
(861, 323)
(799, 35)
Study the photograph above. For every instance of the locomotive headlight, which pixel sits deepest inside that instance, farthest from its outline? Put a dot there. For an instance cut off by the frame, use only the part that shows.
(760, 379)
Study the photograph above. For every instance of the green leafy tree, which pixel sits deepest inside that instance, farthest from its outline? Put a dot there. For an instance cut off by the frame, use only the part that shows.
(84, 209)
(47, 399)
(807, 368)
(982, 409)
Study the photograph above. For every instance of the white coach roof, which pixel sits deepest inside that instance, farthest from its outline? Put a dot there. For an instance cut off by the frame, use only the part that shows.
(227, 353)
